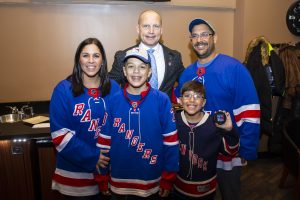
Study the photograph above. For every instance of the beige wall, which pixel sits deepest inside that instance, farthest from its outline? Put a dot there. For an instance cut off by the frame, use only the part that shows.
(255, 18)
(38, 40)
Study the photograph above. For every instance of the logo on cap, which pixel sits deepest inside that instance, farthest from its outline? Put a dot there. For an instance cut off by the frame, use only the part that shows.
(138, 53)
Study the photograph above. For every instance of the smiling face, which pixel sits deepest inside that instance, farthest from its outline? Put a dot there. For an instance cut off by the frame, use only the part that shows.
(203, 42)
(192, 103)
(90, 62)
(149, 28)
(137, 73)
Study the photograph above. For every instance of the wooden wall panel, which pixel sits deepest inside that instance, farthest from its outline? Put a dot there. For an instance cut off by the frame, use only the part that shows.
(16, 171)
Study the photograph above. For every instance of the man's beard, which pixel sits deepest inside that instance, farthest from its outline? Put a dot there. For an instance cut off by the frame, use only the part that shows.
(208, 51)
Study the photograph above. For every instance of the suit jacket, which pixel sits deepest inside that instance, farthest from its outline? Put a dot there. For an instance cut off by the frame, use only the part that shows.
(173, 63)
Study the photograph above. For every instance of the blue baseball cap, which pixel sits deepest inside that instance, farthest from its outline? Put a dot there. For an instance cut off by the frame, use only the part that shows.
(200, 21)
(139, 53)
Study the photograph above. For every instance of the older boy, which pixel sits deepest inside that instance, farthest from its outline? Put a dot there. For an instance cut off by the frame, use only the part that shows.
(143, 140)
(201, 139)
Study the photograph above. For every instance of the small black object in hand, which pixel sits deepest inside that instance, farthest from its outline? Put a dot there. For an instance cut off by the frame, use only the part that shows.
(219, 117)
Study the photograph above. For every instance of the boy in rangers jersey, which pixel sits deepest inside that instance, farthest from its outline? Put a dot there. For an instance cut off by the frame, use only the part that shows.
(143, 144)
(201, 138)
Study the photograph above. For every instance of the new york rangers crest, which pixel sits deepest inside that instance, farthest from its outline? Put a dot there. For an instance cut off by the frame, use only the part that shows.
(201, 71)
(134, 105)
(94, 92)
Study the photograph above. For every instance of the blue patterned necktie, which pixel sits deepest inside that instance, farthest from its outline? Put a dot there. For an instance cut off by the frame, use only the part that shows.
(154, 80)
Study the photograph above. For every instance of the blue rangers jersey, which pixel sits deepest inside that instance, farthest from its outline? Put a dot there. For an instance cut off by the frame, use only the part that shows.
(75, 124)
(229, 87)
(143, 143)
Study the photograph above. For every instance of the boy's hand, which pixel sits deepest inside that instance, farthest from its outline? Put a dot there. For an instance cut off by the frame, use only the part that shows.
(163, 192)
(103, 160)
(227, 126)
(244, 162)
(106, 193)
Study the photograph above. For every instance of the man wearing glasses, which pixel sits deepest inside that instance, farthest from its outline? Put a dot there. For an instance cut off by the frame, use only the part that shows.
(229, 87)
(166, 64)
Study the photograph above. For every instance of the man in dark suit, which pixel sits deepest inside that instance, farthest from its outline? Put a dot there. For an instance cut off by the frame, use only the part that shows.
(168, 62)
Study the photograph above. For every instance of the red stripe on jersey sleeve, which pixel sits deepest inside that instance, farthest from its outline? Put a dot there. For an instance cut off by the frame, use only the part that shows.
(104, 141)
(167, 180)
(225, 158)
(232, 150)
(247, 114)
(171, 138)
(56, 141)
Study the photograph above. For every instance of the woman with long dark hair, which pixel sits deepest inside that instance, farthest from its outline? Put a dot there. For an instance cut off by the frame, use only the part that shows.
(77, 117)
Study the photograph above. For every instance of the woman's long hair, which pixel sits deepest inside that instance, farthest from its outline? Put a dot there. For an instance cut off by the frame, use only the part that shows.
(76, 77)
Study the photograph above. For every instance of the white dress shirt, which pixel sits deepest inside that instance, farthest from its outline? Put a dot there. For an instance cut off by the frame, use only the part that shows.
(160, 61)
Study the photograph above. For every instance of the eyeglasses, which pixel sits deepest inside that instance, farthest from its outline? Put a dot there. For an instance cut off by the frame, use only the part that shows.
(204, 35)
(196, 96)
(147, 27)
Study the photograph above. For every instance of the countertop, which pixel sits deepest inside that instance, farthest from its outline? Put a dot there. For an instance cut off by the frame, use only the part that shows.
(21, 130)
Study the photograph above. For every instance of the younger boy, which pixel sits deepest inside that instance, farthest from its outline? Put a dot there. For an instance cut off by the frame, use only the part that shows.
(201, 139)
(143, 139)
